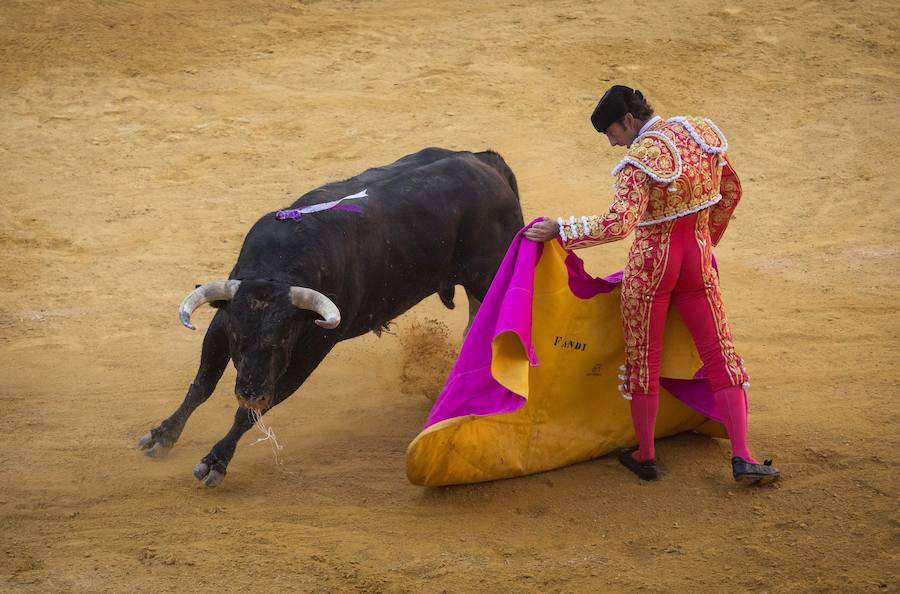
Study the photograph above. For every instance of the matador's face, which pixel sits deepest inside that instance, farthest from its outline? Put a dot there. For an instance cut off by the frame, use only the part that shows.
(623, 132)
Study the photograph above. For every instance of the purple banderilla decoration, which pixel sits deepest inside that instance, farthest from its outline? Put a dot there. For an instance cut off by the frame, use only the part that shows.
(294, 214)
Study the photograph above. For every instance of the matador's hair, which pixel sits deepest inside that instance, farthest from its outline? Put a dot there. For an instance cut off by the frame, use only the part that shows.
(638, 106)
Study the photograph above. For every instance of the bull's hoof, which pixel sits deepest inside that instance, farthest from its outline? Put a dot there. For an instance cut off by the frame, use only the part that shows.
(210, 475)
(153, 446)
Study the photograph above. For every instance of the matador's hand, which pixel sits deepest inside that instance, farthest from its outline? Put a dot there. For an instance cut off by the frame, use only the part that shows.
(542, 231)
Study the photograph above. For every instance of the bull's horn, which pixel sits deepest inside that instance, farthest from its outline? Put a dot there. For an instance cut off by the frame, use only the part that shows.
(214, 291)
(304, 298)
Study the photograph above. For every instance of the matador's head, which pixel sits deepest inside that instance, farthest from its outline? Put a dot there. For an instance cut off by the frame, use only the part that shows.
(620, 114)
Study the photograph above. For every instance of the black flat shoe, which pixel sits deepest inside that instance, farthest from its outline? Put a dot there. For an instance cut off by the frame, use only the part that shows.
(753, 474)
(646, 471)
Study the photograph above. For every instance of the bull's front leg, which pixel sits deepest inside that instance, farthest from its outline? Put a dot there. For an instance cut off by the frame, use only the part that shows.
(213, 359)
(212, 468)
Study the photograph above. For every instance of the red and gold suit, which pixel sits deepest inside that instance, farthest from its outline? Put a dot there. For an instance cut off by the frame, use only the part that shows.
(677, 190)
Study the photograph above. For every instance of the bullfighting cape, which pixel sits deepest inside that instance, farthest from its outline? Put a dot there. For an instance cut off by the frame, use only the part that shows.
(535, 384)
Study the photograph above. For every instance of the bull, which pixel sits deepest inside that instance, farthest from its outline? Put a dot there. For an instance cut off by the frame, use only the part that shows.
(425, 223)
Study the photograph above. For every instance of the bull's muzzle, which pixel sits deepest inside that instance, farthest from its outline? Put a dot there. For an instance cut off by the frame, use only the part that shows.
(253, 391)
(263, 402)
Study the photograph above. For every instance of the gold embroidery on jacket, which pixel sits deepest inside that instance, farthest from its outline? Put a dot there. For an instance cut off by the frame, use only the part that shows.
(624, 213)
(695, 188)
(666, 174)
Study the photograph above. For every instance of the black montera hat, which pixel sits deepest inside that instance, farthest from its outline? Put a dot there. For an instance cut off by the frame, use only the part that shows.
(612, 107)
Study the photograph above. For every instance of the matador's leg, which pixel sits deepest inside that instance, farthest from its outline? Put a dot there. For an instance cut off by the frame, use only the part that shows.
(699, 301)
(649, 277)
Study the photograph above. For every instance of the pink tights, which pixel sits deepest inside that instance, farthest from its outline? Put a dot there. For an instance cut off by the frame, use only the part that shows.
(732, 405)
(643, 416)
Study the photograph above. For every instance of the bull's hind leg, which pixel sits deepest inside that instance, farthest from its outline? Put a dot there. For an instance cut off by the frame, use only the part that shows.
(212, 468)
(474, 306)
(213, 360)
(477, 269)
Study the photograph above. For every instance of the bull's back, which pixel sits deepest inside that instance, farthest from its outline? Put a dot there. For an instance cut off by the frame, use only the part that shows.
(384, 176)
(424, 211)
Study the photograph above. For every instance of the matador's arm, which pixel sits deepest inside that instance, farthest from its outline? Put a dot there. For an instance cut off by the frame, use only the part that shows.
(632, 190)
(721, 212)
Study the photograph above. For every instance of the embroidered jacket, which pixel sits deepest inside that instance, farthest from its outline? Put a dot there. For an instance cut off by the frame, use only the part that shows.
(675, 168)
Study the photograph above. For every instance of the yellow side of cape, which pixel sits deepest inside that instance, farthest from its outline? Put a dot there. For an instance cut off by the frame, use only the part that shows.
(574, 411)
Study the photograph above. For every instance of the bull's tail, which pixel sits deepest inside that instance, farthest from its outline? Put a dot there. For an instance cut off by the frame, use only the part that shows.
(494, 159)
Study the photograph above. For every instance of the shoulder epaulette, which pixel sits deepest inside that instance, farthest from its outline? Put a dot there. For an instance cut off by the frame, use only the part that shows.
(704, 132)
(654, 154)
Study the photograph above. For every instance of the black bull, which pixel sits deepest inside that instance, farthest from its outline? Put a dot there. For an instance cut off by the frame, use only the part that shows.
(432, 220)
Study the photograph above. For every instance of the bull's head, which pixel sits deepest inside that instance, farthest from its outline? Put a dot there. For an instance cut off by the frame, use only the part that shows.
(263, 324)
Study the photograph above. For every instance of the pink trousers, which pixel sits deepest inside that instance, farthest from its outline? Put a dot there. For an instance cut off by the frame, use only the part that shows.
(671, 262)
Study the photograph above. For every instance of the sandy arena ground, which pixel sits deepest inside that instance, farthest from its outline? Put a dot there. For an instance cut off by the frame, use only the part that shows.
(140, 140)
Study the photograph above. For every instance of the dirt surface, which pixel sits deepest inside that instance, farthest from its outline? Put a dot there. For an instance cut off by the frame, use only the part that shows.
(139, 142)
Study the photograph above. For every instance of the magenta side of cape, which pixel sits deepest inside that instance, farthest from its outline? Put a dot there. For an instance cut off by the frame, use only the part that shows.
(470, 388)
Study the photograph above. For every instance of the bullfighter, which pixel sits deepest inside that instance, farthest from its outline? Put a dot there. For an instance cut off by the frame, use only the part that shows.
(676, 189)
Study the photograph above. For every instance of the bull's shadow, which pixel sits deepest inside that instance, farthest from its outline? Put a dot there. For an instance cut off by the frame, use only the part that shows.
(421, 225)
